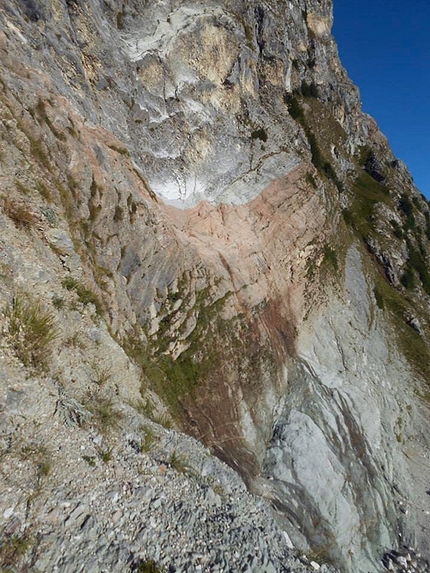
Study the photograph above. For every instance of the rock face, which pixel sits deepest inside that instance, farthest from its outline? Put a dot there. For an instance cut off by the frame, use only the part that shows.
(202, 230)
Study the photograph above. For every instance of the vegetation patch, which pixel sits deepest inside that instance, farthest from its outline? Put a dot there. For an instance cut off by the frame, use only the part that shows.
(22, 188)
(147, 566)
(68, 203)
(311, 180)
(37, 454)
(106, 416)
(416, 263)
(120, 20)
(148, 440)
(397, 307)
(318, 158)
(102, 374)
(363, 154)
(12, 549)
(427, 227)
(38, 152)
(295, 108)
(91, 460)
(176, 380)
(309, 90)
(106, 454)
(367, 194)
(177, 462)
(49, 215)
(32, 331)
(18, 212)
(260, 134)
(121, 150)
(330, 258)
(85, 295)
(407, 209)
(397, 229)
(43, 116)
(379, 297)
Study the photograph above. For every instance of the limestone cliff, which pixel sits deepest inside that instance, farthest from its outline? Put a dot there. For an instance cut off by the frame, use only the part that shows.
(202, 230)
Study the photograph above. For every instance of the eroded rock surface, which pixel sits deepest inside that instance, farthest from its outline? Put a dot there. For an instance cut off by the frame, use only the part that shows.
(201, 228)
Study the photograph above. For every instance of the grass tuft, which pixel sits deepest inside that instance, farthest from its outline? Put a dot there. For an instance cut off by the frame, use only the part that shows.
(85, 295)
(177, 462)
(32, 330)
(18, 212)
(106, 455)
(12, 549)
(102, 374)
(147, 440)
(43, 191)
(105, 414)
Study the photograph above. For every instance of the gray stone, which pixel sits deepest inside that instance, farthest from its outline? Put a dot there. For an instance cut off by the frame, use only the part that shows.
(60, 240)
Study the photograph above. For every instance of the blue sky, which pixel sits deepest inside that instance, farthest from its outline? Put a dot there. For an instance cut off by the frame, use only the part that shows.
(385, 47)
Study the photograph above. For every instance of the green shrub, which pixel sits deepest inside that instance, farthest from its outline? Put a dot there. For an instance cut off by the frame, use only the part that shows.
(119, 214)
(408, 279)
(294, 107)
(42, 113)
(407, 208)
(330, 257)
(397, 230)
(379, 297)
(175, 380)
(396, 306)
(67, 202)
(309, 90)
(348, 217)
(32, 331)
(417, 203)
(260, 134)
(364, 154)
(427, 229)
(311, 180)
(146, 567)
(405, 205)
(317, 158)
(418, 263)
(331, 174)
(120, 20)
(91, 461)
(58, 302)
(39, 455)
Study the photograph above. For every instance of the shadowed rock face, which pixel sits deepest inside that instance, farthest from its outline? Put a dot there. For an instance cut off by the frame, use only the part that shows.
(206, 169)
